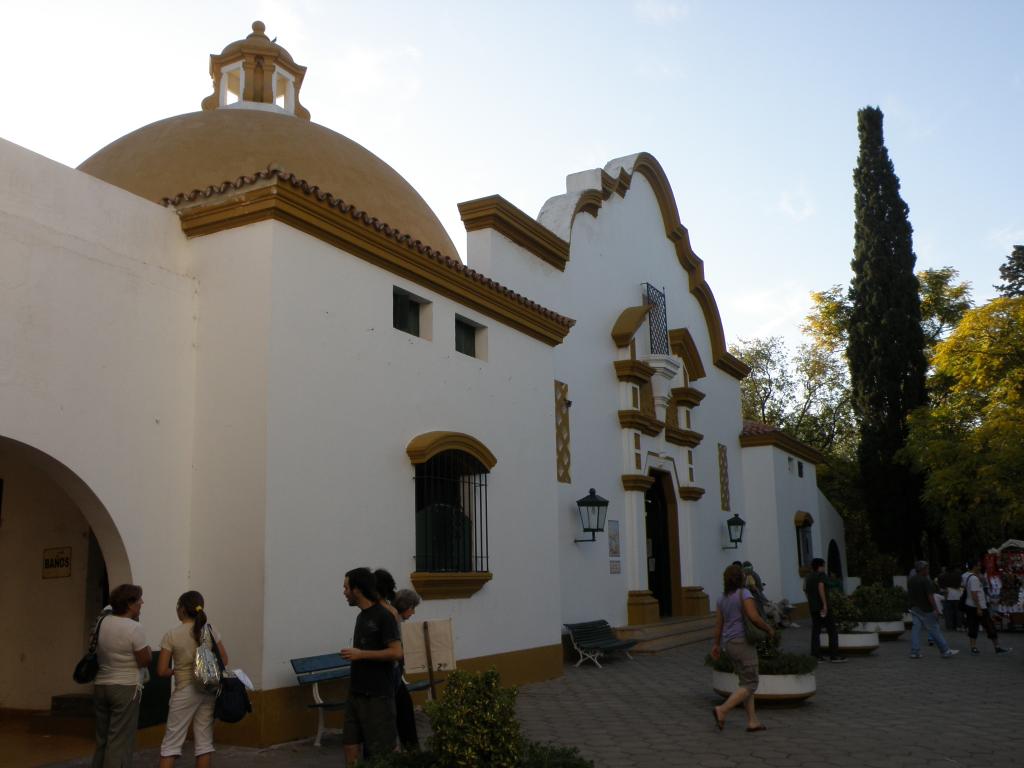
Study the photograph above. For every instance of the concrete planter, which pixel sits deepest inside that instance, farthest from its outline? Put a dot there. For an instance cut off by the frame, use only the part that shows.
(887, 630)
(861, 643)
(791, 688)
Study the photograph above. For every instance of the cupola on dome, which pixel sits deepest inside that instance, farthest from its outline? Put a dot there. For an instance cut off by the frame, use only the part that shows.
(252, 120)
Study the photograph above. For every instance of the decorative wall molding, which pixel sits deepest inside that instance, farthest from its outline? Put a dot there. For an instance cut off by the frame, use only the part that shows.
(424, 447)
(635, 371)
(448, 586)
(497, 213)
(637, 482)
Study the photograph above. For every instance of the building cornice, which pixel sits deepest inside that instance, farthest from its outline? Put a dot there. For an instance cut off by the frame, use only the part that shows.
(687, 396)
(783, 442)
(638, 420)
(635, 371)
(684, 437)
(497, 213)
(279, 196)
(637, 482)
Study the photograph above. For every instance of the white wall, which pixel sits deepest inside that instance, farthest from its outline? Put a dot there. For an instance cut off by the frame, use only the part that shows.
(346, 394)
(228, 505)
(610, 256)
(96, 361)
(775, 493)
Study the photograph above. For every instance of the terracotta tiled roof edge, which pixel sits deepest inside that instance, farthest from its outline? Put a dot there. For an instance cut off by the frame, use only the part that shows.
(327, 198)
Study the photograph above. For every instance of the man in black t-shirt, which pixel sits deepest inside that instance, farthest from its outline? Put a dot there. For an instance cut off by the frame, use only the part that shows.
(377, 645)
(816, 589)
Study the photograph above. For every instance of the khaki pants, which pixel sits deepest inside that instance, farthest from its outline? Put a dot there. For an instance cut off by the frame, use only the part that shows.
(189, 704)
(117, 720)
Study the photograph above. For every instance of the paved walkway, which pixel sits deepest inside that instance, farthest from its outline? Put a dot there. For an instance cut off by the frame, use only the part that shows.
(883, 711)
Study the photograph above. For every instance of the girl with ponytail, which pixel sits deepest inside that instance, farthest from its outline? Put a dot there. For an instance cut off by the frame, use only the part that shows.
(190, 703)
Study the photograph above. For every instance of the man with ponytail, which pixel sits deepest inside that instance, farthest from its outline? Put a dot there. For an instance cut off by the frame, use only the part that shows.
(190, 704)
(376, 646)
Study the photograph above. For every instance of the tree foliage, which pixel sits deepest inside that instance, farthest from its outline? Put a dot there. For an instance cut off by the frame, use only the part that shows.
(885, 346)
(968, 439)
(805, 395)
(1012, 273)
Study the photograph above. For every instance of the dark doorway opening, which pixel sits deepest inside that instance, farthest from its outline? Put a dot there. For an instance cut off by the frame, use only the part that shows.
(659, 565)
(835, 562)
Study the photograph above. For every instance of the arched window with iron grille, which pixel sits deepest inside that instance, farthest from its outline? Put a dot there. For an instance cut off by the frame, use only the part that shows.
(451, 513)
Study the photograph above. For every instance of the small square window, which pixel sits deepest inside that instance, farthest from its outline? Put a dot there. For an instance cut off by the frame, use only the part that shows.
(465, 338)
(406, 312)
(470, 338)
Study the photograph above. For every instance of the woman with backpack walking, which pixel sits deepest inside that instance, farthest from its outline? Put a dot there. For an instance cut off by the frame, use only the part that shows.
(190, 702)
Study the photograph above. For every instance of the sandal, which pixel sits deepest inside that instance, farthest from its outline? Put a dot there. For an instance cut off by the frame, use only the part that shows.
(760, 727)
(719, 724)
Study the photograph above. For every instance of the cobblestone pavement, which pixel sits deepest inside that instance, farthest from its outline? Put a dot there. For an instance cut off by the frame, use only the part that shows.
(883, 710)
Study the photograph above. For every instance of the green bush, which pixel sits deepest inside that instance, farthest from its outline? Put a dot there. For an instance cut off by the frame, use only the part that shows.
(403, 760)
(537, 755)
(532, 755)
(771, 660)
(474, 722)
(843, 611)
(875, 602)
(780, 664)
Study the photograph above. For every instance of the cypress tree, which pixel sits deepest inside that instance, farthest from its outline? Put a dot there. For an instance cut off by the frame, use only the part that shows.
(1012, 273)
(886, 345)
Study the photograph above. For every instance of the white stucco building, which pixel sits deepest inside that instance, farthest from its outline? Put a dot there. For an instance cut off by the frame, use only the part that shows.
(239, 354)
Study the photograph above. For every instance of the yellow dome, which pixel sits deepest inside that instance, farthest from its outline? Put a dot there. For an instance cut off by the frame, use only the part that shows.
(200, 149)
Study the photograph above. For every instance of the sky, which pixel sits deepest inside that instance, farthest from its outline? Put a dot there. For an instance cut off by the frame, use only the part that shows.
(750, 107)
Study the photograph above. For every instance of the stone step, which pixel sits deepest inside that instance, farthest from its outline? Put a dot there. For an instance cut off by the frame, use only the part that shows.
(670, 633)
(72, 705)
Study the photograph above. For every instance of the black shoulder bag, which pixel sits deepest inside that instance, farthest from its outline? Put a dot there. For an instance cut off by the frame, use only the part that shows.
(232, 699)
(88, 666)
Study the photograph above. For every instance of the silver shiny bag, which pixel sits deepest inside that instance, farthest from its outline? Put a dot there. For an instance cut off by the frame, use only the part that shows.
(207, 668)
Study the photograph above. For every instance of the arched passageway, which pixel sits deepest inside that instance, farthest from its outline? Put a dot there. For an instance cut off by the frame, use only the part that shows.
(59, 554)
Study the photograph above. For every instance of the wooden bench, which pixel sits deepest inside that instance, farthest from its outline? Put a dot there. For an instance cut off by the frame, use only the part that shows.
(314, 670)
(593, 639)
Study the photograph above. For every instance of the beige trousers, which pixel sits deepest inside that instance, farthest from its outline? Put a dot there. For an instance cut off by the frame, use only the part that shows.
(189, 704)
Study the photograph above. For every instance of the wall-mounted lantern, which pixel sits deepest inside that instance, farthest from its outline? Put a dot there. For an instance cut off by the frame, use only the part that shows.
(593, 511)
(735, 524)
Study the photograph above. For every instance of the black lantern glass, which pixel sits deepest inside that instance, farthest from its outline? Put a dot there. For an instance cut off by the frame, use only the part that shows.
(593, 511)
(735, 524)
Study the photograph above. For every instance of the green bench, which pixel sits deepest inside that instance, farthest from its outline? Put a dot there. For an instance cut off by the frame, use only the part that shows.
(593, 639)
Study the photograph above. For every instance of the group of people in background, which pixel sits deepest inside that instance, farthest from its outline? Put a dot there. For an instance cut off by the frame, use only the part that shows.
(124, 658)
(379, 711)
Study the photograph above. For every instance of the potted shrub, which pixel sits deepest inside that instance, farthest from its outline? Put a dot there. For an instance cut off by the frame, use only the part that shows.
(880, 609)
(782, 676)
(852, 639)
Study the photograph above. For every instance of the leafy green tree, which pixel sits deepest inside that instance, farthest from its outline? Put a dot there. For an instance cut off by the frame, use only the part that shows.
(968, 439)
(885, 344)
(1012, 273)
(944, 301)
(805, 395)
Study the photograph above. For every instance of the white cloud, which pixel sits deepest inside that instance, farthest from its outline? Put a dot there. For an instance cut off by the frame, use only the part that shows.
(659, 11)
(1006, 237)
(796, 205)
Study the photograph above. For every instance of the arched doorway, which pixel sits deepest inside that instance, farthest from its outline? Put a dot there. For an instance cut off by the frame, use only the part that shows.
(662, 525)
(59, 554)
(835, 561)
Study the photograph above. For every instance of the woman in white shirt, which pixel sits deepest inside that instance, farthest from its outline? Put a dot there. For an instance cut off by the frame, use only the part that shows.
(190, 703)
(122, 651)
